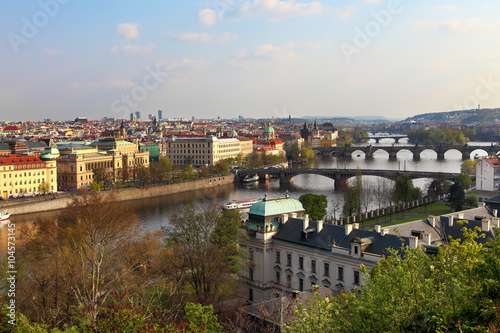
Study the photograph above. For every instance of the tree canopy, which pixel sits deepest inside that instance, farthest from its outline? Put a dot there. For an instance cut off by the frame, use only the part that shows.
(315, 205)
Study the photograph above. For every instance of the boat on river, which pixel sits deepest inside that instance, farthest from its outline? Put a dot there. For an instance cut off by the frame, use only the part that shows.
(4, 216)
(251, 178)
(241, 203)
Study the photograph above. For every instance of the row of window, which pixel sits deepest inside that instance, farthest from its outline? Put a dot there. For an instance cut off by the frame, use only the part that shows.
(29, 166)
(29, 174)
(26, 182)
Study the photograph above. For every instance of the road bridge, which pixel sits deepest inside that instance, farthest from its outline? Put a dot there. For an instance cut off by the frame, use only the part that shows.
(415, 149)
(377, 138)
(340, 176)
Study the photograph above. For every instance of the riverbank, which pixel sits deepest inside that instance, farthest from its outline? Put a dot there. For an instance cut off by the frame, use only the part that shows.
(51, 203)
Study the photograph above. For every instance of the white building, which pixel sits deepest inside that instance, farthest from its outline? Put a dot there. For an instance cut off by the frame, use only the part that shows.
(288, 251)
(488, 174)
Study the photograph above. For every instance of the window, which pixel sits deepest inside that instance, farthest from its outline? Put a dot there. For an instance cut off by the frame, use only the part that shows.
(327, 269)
(355, 250)
(301, 262)
(289, 280)
(250, 254)
(289, 259)
(250, 294)
(313, 266)
(250, 274)
(278, 254)
(356, 277)
(301, 284)
(278, 276)
(341, 273)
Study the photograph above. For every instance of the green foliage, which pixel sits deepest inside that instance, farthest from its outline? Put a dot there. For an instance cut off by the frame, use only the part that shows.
(315, 205)
(405, 191)
(307, 153)
(471, 200)
(438, 135)
(457, 290)
(295, 151)
(202, 318)
(468, 167)
(189, 173)
(351, 202)
(437, 186)
(44, 187)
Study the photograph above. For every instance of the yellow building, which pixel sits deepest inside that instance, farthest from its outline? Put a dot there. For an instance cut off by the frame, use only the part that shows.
(23, 174)
(118, 158)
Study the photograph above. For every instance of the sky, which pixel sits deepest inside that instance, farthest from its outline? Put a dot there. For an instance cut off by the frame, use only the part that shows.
(61, 59)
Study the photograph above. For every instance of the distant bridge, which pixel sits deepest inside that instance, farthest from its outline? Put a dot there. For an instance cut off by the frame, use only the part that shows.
(341, 176)
(377, 138)
(416, 150)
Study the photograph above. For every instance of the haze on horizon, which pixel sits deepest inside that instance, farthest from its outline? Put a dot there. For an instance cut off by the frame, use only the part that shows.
(255, 58)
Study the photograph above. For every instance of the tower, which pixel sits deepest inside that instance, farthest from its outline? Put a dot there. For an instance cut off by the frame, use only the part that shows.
(160, 114)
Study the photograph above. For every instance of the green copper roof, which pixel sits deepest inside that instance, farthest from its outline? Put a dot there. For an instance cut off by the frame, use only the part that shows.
(268, 129)
(276, 207)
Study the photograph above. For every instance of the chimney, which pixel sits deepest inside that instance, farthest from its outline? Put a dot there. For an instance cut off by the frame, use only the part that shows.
(306, 221)
(460, 215)
(426, 237)
(485, 225)
(496, 223)
(413, 242)
(450, 220)
(320, 226)
(293, 215)
(355, 225)
(432, 221)
(378, 228)
(296, 294)
(348, 229)
(284, 218)
(385, 231)
(495, 212)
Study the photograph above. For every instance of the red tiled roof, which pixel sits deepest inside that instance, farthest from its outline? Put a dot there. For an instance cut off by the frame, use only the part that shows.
(19, 160)
(11, 128)
(495, 162)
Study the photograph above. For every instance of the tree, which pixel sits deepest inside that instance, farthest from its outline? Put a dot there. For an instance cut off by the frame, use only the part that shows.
(76, 261)
(142, 174)
(193, 235)
(101, 176)
(314, 205)
(437, 186)
(43, 187)
(471, 200)
(411, 291)
(307, 153)
(468, 167)
(457, 192)
(405, 191)
(358, 185)
(351, 202)
(295, 151)
(222, 167)
(189, 173)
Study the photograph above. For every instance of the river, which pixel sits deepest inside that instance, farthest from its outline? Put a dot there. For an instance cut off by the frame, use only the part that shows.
(155, 212)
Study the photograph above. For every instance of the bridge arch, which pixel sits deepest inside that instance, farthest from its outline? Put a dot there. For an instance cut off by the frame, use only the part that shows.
(480, 152)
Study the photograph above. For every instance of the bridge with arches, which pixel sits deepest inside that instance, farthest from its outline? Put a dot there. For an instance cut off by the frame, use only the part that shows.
(416, 150)
(377, 138)
(340, 176)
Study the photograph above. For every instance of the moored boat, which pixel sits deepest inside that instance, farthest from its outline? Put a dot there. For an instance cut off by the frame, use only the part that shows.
(251, 178)
(241, 203)
(4, 216)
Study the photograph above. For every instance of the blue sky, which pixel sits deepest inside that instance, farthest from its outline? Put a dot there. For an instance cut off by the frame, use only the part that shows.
(256, 58)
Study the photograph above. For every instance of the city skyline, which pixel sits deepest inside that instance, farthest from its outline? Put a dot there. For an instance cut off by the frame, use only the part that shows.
(258, 59)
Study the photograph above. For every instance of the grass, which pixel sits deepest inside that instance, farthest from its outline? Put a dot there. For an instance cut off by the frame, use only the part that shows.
(437, 208)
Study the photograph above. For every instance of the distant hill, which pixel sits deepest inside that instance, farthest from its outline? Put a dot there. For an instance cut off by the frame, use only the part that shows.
(462, 117)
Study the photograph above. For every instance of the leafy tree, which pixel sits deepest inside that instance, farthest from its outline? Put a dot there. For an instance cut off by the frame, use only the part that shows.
(102, 176)
(471, 200)
(315, 205)
(457, 191)
(202, 318)
(468, 167)
(351, 202)
(142, 174)
(437, 186)
(44, 187)
(222, 167)
(194, 238)
(295, 151)
(411, 291)
(307, 153)
(405, 191)
(189, 173)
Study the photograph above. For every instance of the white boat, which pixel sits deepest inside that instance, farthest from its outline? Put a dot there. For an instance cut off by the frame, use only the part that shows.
(251, 178)
(4, 216)
(241, 203)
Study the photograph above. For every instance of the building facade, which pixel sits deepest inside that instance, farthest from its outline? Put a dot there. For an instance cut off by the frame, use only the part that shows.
(488, 174)
(287, 251)
(23, 174)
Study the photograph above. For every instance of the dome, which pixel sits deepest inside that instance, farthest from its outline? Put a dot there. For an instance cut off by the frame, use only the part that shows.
(48, 157)
(233, 132)
(276, 207)
(268, 129)
(51, 150)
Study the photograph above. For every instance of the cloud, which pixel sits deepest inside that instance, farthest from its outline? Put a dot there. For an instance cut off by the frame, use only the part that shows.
(373, 1)
(134, 49)
(52, 52)
(109, 84)
(446, 7)
(457, 26)
(344, 12)
(128, 30)
(203, 37)
(207, 16)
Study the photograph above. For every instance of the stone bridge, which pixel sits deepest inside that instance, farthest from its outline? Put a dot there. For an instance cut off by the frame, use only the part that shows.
(341, 176)
(377, 138)
(416, 150)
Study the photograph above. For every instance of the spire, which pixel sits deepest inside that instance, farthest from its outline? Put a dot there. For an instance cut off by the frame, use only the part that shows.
(315, 123)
